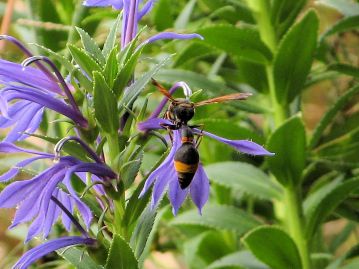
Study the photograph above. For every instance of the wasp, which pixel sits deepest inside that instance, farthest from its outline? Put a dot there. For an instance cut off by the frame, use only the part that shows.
(180, 112)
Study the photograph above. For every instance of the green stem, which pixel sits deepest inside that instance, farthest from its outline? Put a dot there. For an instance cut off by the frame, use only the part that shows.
(292, 201)
(295, 223)
(113, 151)
(280, 111)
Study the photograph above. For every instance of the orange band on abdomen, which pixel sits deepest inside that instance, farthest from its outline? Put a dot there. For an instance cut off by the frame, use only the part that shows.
(185, 168)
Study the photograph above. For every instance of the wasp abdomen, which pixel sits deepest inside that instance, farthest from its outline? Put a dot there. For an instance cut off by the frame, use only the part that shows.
(186, 162)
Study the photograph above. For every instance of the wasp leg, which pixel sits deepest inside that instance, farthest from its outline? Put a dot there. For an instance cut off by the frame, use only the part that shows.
(169, 126)
(200, 126)
(199, 135)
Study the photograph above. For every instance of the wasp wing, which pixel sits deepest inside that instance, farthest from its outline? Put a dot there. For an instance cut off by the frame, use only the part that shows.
(224, 98)
(162, 89)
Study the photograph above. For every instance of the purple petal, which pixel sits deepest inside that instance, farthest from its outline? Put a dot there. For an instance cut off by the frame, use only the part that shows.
(16, 192)
(162, 170)
(34, 254)
(35, 123)
(25, 123)
(16, 169)
(35, 227)
(176, 195)
(152, 124)
(13, 73)
(65, 199)
(4, 107)
(116, 4)
(6, 147)
(15, 112)
(45, 100)
(170, 35)
(161, 183)
(28, 208)
(199, 188)
(145, 9)
(244, 146)
(84, 210)
(98, 169)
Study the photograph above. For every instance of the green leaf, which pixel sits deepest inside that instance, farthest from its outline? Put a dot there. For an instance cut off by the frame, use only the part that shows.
(58, 57)
(79, 259)
(136, 88)
(347, 8)
(152, 235)
(321, 203)
(345, 69)
(111, 68)
(241, 42)
(274, 247)
(243, 177)
(241, 259)
(184, 17)
(292, 62)
(162, 15)
(136, 205)
(284, 13)
(85, 61)
(90, 46)
(194, 80)
(343, 25)
(105, 105)
(124, 76)
(120, 255)
(111, 39)
(218, 217)
(142, 230)
(192, 52)
(330, 114)
(288, 142)
(129, 170)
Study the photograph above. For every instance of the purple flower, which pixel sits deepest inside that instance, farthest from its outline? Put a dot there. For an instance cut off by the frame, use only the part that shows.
(27, 91)
(34, 254)
(132, 14)
(34, 197)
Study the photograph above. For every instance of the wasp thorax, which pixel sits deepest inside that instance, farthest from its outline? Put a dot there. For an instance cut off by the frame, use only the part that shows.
(183, 110)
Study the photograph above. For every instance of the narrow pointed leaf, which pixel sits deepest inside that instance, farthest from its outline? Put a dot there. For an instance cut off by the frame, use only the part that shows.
(105, 105)
(79, 259)
(84, 60)
(120, 255)
(90, 46)
(320, 204)
(111, 39)
(292, 62)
